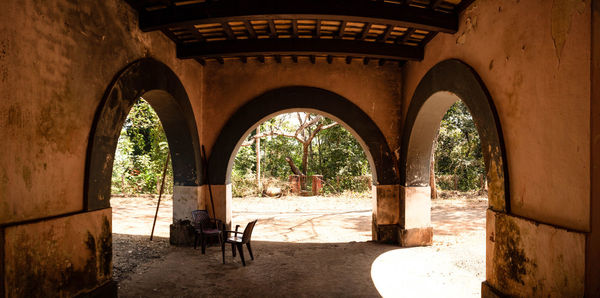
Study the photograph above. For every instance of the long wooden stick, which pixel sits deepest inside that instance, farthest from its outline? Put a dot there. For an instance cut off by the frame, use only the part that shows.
(212, 203)
(160, 192)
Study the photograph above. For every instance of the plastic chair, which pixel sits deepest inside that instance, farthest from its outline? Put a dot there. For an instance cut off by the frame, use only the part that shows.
(238, 239)
(204, 227)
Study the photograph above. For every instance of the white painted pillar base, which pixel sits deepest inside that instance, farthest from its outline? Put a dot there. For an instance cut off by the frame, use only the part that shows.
(185, 200)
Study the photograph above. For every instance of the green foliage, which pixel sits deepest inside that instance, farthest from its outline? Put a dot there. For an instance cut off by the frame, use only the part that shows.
(336, 153)
(141, 153)
(333, 153)
(458, 151)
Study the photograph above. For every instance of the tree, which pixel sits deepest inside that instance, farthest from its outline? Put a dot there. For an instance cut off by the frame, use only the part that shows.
(332, 152)
(458, 151)
(141, 153)
(309, 125)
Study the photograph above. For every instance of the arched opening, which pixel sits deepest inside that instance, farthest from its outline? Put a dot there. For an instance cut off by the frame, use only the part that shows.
(306, 178)
(159, 86)
(308, 99)
(442, 86)
(445, 84)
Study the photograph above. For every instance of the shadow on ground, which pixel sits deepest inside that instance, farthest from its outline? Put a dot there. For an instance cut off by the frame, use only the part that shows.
(279, 269)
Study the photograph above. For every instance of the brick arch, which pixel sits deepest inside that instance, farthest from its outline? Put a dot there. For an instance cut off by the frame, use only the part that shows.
(162, 89)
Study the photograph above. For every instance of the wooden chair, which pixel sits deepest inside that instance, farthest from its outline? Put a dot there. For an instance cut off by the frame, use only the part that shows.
(205, 226)
(238, 239)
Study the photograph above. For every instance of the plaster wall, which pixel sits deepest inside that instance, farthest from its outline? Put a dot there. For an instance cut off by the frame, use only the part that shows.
(528, 259)
(59, 257)
(373, 88)
(536, 69)
(56, 60)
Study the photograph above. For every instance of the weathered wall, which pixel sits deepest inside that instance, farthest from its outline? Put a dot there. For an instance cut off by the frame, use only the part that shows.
(59, 257)
(373, 88)
(56, 60)
(536, 68)
(528, 259)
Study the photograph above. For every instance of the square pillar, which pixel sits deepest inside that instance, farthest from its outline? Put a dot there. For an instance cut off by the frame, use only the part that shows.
(221, 200)
(415, 216)
(385, 213)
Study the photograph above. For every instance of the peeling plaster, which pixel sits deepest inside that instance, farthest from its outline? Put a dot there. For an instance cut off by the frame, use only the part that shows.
(511, 265)
(562, 15)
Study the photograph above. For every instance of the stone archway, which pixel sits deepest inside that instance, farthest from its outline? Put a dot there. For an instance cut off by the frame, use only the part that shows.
(443, 85)
(286, 99)
(159, 86)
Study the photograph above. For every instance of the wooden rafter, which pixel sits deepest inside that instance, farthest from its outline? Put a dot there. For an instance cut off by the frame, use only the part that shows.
(254, 47)
(294, 28)
(316, 29)
(228, 31)
(353, 10)
(386, 34)
(250, 29)
(342, 29)
(272, 29)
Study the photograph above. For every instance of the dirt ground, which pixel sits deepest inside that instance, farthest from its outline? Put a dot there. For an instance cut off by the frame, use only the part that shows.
(303, 246)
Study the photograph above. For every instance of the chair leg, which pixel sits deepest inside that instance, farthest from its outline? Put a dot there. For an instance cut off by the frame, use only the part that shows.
(241, 249)
(223, 251)
(233, 249)
(203, 244)
(250, 250)
(195, 240)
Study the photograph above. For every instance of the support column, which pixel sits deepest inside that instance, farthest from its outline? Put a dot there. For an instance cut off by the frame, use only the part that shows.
(185, 200)
(385, 213)
(221, 199)
(415, 216)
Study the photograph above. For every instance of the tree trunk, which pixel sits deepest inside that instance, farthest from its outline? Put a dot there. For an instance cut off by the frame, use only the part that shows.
(432, 176)
(258, 184)
(432, 168)
(305, 157)
(293, 167)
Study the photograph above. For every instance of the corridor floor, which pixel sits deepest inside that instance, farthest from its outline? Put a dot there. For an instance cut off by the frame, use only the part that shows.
(299, 259)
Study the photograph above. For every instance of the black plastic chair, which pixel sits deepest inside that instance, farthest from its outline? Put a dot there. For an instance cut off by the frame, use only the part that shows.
(204, 227)
(238, 239)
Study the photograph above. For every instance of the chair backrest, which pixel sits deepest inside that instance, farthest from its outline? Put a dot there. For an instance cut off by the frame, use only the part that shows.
(248, 231)
(200, 218)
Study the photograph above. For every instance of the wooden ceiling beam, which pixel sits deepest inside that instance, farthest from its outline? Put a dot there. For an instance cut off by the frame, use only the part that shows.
(352, 10)
(228, 31)
(386, 34)
(342, 29)
(250, 29)
(404, 38)
(318, 28)
(294, 28)
(302, 47)
(272, 29)
(365, 31)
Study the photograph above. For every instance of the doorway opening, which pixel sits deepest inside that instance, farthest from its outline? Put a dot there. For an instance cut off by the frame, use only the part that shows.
(306, 178)
(459, 198)
(142, 175)
(166, 99)
(444, 84)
